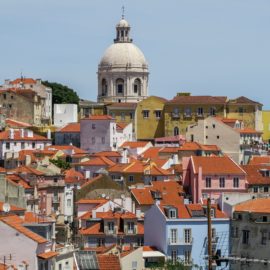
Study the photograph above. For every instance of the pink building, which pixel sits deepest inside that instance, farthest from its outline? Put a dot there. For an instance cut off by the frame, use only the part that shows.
(210, 176)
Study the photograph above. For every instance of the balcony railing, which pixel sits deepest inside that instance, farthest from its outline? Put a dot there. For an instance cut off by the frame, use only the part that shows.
(180, 241)
(175, 115)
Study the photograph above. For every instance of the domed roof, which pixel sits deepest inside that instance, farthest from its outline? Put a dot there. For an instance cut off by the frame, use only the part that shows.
(123, 23)
(123, 54)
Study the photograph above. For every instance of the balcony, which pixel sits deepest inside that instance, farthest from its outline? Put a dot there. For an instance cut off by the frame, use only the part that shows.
(180, 242)
(187, 115)
(175, 115)
(55, 200)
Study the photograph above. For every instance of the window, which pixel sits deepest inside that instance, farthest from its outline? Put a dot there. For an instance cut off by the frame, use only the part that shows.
(208, 182)
(245, 239)
(235, 232)
(188, 112)
(130, 227)
(206, 137)
(173, 238)
(33, 144)
(235, 182)
(120, 86)
(200, 111)
(187, 257)
(214, 126)
(187, 235)
(103, 140)
(134, 265)
(131, 115)
(158, 114)
(213, 111)
(135, 88)
(100, 242)
(145, 114)
(217, 136)
(93, 140)
(264, 218)
(7, 145)
(176, 131)
(175, 112)
(93, 126)
(59, 266)
(123, 116)
(221, 182)
(212, 212)
(5, 96)
(174, 256)
(241, 110)
(255, 189)
(264, 238)
(131, 178)
(214, 233)
(172, 213)
(111, 227)
(266, 189)
(68, 202)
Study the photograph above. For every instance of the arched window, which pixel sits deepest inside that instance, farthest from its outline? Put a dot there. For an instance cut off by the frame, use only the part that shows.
(176, 131)
(137, 87)
(104, 87)
(119, 87)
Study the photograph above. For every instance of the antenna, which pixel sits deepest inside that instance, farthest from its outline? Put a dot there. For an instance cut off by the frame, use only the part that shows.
(123, 12)
(6, 207)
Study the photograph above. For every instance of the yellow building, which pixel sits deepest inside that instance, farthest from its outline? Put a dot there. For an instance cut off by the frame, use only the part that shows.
(266, 125)
(149, 123)
(123, 112)
(87, 107)
(246, 110)
(184, 110)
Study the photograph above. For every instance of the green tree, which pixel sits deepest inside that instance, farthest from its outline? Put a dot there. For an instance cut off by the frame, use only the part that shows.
(60, 163)
(62, 93)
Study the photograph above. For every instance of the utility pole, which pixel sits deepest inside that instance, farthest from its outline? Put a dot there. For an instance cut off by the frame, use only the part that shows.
(209, 234)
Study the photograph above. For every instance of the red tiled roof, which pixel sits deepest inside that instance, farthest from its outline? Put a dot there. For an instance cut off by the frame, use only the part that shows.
(18, 180)
(71, 127)
(134, 144)
(254, 174)
(92, 201)
(121, 126)
(256, 160)
(198, 100)
(5, 136)
(47, 255)
(2, 170)
(151, 152)
(259, 205)
(95, 229)
(30, 217)
(98, 161)
(248, 131)
(15, 123)
(108, 154)
(64, 148)
(216, 165)
(108, 262)
(128, 105)
(169, 190)
(72, 176)
(16, 223)
(149, 248)
(243, 100)
(27, 170)
(24, 80)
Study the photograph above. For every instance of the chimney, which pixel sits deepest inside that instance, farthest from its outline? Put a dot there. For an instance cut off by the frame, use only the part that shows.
(38, 81)
(27, 160)
(22, 132)
(30, 133)
(11, 134)
(94, 213)
(49, 134)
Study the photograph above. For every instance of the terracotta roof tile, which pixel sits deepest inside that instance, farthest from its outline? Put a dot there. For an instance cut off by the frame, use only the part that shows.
(72, 176)
(198, 100)
(216, 165)
(255, 174)
(248, 131)
(47, 255)
(12, 207)
(95, 229)
(243, 100)
(14, 123)
(71, 127)
(5, 136)
(24, 80)
(108, 154)
(16, 223)
(132, 145)
(259, 205)
(108, 262)
(256, 160)
(98, 161)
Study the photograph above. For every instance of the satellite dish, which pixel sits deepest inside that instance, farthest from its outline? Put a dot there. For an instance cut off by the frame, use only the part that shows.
(6, 207)
(123, 196)
(103, 195)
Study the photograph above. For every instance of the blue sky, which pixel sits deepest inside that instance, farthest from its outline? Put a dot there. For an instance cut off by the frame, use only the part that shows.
(215, 47)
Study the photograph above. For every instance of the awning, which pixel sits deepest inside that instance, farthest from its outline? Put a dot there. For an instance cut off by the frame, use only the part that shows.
(155, 254)
(47, 255)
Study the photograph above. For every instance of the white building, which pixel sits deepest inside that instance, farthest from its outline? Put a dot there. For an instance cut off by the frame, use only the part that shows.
(12, 141)
(102, 133)
(123, 70)
(65, 114)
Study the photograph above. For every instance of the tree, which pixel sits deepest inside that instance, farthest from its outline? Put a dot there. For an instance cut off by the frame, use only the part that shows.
(60, 163)
(61, 93)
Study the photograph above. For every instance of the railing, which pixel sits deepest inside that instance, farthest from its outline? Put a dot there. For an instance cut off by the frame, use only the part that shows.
(175, 115)
(180, 241)
(56, 200)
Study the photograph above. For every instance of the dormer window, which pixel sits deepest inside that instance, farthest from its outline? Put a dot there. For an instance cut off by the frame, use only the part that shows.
(172, 213)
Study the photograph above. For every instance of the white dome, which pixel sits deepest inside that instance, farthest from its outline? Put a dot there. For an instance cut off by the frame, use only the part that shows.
(123, 23)
(123, 54)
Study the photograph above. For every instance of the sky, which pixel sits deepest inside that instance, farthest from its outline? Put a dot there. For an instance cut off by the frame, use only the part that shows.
(205, 47)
